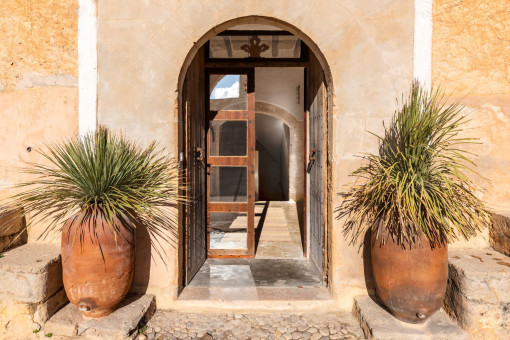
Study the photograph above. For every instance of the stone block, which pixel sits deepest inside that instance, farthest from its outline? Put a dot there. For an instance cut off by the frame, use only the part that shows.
(11, 223)
(48, 308)
(31, 273)
(377, 323)
(478, 292)
(12, 241)
(121, 324)
(500, 233)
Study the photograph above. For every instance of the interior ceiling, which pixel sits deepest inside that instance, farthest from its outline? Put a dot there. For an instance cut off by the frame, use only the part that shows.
(232, 46)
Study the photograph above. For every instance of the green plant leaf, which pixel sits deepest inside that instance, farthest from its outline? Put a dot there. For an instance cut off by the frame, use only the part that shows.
(420, 182)
(101, 174)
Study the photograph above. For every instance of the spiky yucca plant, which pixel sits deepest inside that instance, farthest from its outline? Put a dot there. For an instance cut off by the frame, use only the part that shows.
(102, 173)
(418, 183)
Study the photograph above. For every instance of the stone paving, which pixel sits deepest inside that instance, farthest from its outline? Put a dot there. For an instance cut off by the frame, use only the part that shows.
(277, 325)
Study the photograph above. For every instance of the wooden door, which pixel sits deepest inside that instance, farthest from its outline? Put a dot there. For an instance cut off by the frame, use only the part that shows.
(194, 136)
(231, 163)
(316, 104)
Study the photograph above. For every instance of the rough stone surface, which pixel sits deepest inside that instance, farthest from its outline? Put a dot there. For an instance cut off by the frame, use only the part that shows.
(38, 36)
(121, 324)
(166, 324)
(30, 273)
(377, 323)
(48, 308)
(31, 289)
(500, 233)
(478, 293)
(10, 223)
(12, 241)
(469, 53)
(12, 230)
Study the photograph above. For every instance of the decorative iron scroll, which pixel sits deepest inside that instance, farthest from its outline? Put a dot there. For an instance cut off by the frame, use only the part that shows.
(254, 49)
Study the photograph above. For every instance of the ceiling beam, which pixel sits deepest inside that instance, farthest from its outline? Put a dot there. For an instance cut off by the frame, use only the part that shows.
(228, 45)
(275, 39)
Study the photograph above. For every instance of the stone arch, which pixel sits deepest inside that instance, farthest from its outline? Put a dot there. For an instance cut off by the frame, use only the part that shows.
(314, 48)
(262, 107)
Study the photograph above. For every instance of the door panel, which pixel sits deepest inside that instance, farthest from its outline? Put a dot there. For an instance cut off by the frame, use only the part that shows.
(194, 141)
(316, 107)
(230, 163)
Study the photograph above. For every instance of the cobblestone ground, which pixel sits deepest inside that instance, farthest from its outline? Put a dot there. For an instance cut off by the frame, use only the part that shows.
(316, 326)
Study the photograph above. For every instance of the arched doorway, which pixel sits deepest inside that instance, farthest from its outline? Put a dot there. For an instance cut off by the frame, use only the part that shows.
(226, 76)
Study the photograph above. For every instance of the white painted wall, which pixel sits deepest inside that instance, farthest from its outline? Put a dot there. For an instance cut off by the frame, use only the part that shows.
(87, 66)
(423, 41)
(278, 86)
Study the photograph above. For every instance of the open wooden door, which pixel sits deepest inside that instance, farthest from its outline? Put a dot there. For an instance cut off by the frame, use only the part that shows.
(194, 135)
(316, 107)
(231, 163)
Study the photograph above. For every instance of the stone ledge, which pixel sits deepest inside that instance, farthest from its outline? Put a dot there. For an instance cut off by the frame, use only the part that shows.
(31, 273)
(478, 292)
(11, 223)
(500, 233)
(379, 324)
(121, 324)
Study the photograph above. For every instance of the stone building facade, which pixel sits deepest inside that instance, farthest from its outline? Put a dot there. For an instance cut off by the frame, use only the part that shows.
(66, 66)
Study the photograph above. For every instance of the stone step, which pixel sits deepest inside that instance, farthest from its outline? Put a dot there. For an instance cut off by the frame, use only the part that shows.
(478, 292)
(377, 323)
(255, 294)
(121, 324)
(31, 288)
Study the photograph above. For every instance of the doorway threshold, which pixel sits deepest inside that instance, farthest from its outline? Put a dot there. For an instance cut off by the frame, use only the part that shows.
(256, 280)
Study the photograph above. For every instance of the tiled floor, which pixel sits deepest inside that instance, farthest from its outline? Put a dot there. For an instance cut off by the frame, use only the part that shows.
(278, 272)
(256, 280)
(279, 230)
(276, 228)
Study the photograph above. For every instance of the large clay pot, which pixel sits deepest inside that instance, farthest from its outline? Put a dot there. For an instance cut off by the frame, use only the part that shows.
(97, 271)
(410, 282)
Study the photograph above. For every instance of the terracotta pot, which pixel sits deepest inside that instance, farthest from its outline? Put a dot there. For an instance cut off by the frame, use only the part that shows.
(92, 283)
(410, 282)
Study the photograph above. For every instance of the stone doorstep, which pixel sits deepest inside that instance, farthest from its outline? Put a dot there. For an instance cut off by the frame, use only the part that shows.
(121, 324)
(31, 273)
(283, 294)
(377, 323)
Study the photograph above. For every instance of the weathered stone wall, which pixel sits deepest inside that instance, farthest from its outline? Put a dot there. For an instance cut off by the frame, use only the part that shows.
(37, 36)
(38, 81)
(471, 61)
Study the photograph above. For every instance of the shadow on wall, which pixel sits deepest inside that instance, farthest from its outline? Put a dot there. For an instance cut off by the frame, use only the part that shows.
(367, 263)
(143, 254)
(272, 144)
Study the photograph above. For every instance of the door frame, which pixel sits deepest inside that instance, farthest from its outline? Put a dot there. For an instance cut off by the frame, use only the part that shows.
(233, 64)
(247, 114)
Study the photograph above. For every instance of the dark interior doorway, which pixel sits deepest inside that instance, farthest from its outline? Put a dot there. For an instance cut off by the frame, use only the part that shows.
(272, 148)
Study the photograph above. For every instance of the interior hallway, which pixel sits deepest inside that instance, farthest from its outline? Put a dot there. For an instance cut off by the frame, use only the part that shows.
(277, 233)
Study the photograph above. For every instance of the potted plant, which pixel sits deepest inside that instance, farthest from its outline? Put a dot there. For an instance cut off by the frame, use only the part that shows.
(96, 190)
(416, 195)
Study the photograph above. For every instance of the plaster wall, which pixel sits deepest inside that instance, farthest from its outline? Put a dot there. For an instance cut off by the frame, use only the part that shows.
(365, 47)
(283, 87)
(471, 62)
(38, 82)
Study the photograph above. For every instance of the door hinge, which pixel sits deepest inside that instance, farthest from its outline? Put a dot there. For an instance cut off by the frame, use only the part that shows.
(182, 160)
